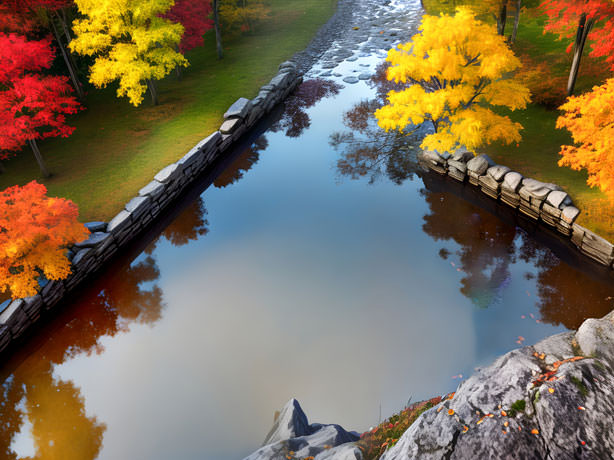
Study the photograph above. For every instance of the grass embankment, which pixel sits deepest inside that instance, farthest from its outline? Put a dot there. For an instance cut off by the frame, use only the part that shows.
(116, 148)
(546, 67)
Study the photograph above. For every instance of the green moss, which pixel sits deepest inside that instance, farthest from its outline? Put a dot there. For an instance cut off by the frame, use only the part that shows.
(518, 406)
(579, 385)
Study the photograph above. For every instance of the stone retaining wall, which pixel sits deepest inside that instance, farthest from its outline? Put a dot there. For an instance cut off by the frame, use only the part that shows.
(533, 199)
(106, 239)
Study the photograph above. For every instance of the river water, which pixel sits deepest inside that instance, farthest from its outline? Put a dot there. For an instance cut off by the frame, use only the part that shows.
(320, 264)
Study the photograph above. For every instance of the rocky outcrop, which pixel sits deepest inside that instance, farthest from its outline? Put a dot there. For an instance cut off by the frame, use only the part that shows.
(536, 200)
(552, 400)
(293, 437)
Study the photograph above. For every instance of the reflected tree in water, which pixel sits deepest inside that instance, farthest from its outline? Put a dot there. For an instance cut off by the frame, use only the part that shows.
(368, 151)
(567, 295)
(189, 225)
(295, 118)
(55, 408)
(486, 247)
(244, 162)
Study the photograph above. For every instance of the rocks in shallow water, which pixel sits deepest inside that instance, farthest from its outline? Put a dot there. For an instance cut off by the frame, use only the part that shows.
(364, 76)
(292, 432)
(351, 80)
(552, 400)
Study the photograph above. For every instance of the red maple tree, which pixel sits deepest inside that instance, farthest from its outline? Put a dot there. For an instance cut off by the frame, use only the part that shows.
(194, 16)
(32, 106)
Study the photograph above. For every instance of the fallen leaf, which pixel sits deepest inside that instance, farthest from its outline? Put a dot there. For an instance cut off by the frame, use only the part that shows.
(550, 390)
(581, 408)
(534, 431)
(504, 413)
(506, 424)
(465, 428)
(451, 412)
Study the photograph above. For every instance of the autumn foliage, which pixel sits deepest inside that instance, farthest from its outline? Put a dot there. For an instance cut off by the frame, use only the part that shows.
(33, 105)
(456, 67)
(131, 41)
(34, 232)
(590, 119)
(194, 16)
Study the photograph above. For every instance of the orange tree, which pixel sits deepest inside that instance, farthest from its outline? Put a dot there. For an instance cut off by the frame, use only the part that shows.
(590, 119)
(34, 232)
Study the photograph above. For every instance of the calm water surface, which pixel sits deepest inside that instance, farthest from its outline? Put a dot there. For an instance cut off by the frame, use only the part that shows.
(316, 266)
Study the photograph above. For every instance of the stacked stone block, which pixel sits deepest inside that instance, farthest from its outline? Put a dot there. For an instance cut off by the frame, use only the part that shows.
(536, 200)
(106, 239)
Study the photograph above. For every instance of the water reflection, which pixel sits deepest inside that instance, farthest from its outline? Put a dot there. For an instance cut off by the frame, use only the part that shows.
(485, 247)
(188, 226)
(244, 162)
(295, 119)
(368, 151)
(43, 416)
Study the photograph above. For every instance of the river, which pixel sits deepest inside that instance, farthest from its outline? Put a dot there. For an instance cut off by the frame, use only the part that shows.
(321, 264)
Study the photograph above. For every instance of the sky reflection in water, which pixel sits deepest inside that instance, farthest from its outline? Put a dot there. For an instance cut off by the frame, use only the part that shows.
(288, 278)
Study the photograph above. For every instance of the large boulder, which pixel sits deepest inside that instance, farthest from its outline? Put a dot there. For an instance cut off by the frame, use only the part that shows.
(552, 400)
(292, 432)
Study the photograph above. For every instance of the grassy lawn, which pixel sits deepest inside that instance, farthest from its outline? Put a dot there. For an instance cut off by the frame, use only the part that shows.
(116, 148)
(537, 155)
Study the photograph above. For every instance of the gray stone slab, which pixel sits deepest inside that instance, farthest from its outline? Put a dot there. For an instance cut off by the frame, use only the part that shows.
(556, 198)
(154, 189)
(96, 226)
(512, 181)
(569, 214)
(229, 126)
(138, 205)
(280, 80)
(94, 240)
(167, 174)
(364, 76)
(479, 164)
(497, 172)
(238, 109)
(351, 80)
(119, 222)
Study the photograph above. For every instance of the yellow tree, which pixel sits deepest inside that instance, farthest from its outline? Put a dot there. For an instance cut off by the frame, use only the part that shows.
(131, 41)
(456, 67)
(590, 119)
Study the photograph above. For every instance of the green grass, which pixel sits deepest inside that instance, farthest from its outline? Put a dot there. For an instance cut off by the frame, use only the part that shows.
(116, 148)
(537, 154)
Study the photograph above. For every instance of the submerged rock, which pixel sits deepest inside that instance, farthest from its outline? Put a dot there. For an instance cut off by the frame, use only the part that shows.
(552, 400)
(292, 432)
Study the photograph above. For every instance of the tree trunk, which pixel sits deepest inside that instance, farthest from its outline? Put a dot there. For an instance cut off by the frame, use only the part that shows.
(178, 68)
(73, 76)
(516, 21)
(66, 29)
(39, 158)
(502, 18)
(218, 30)
(152, 90)
(2, 169)
(584, 27)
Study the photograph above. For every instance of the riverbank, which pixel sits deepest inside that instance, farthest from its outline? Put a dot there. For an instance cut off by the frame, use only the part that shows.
(117, 148)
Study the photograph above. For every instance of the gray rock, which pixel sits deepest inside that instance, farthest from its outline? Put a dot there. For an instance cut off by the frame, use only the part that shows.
(167, 174)
(347, 451)
(351, 80)
(138, 205)
(287, 65)
(94, 240)
(96, 226)
(327, 73)
(433, 157)
(462, 154)
(534, 189)
(292, 432)
(229, 126)
(80, 256)
(497, 172)
(119, 222)
(154, 189)
(572, 421)
(280, 80)
(238, 109)
(461, 166)
(512, 181)
(364, 76)
(479, 164)
(569, 214)
(291, 423)
(556, 198)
